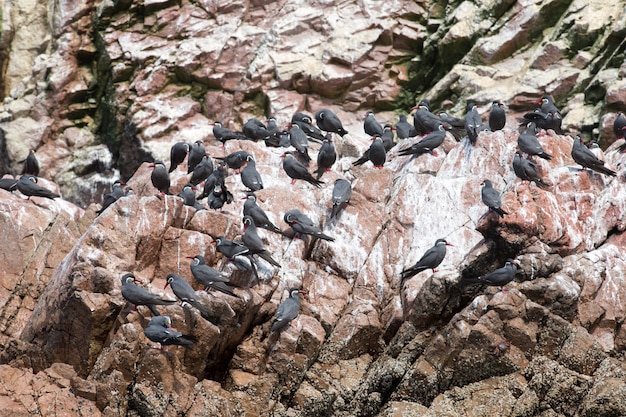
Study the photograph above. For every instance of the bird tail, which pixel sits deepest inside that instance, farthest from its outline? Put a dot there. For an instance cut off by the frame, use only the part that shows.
(315, 182)
(412, 271)
(622, 148)
(500, 212)
(325, 237)
(545, 156)
(342, 132)
(604, 170)
(335, 210)
(360, 161)
(266, 256)
(187, 340)
(223, 287)
(153, 309)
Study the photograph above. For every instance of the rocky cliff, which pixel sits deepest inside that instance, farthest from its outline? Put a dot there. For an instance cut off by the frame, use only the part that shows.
(100, 89)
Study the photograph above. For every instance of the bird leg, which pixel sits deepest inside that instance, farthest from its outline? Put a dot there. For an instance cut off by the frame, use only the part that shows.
(293, 182)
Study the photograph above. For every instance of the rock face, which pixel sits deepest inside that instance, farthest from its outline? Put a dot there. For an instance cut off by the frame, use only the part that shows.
(123, 81)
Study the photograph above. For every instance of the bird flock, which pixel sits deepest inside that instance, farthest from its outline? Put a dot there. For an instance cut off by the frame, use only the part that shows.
(210, 175)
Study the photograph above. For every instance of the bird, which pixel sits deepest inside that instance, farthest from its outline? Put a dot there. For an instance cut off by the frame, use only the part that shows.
(298, 139)
(622, 147)
(529, 144)
(303, 225)
(296, 171)
(428, 143)
(139, 296)
(526, 170)
(235, 160)
(201, 172)
(252, 209)
(430, 260)
(253, 242)
(371, 125)
(9, 184)
(160, 330)
(583, 156)
(387, 137)
(255, 129)
(375, 153)
(306, 124)
(491, 198)
(27, 185)
(497, 116)
(618, 125)
(547, 105)
(185, 293)
(217, 177)
(237, 253)
(250, 177)
(404, 129)
(551, 120)
(160, 177)
(342, 191)
(473, 122)
(451, 120)
(288, 310)
(326, 156)
(219, 196)
(118, 190)
(178, 153)
(223, 134)
(31, 164)
(196, 153)
(424, 120)
(209, 277)
(500, 277)
(329, 122)
(188, 194)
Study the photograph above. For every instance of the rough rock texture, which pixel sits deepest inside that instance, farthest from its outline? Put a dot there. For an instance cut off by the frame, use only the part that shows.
(102, 88)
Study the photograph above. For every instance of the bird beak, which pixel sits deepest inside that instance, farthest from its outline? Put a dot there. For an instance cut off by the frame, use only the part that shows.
(516, 262)
(415, 108)
(151, 165)
(303, 292)
(189, 257)
(166, 284)
(449, 244)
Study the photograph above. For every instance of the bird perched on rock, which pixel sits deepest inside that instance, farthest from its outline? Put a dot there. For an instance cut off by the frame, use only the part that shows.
(529, 144)
(551, 120)
(178, 153)
(9, 184)
(472, 122)
(329, 122)
(237, 253)
(451, 120)
(223, 134)
(219, 196)
(209, 277)
(118, 190)
(296, 171)
(185, 293)
(160, 330)
(430, 260)
(547, 105)
(306, 124)
(428, 143)
(387, 137)
(618, 125)
(235, 160)
(253, 242)
(375, 153)
(188, 194)
(288, 310)
(342, 192)
(217, 177)
(201, 172)
(371, 125)
(583, 156)
(303, 225)
(252, 209)
(255, 129)
(424, 120)
(326, 156)
(527, 170)
(404, 129)
(27, 185)
(160, 177)
(491, 198)
(500, 277)
(298, 139)
(497, 116)
(250, 177)
(196, 153)
(139, 296)
(31, 164)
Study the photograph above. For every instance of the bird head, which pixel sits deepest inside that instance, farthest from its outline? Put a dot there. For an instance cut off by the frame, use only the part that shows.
(128, 278)
(169, 280)
(514, 262)
(486, 183)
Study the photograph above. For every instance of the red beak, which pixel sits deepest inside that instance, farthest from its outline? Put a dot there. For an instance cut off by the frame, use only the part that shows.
(166, 284)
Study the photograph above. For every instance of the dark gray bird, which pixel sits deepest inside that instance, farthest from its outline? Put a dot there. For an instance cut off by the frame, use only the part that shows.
(209, 277)
(253, 242)
(178, 153)
(217, 177)
(303, 225)
(252, 209)
(527, 170)
(219, 196)
(139, 296)
(428, 143)
(529, 144)
(371, 125)
(500, 277)
(9, 184)
(288, 310)
(223, 134)
(296, 171)
(27, 185)
(551, 120)
(326, 157)
(547, 105)
(342, 192)
(272, 125)
(497, 116)
(430, 260)
(160, 177)
(188, 194)
(472, 122)
(196, 153)
(451, 120)
(306, 124)
(583, 156)
(255, 129)
(185, 293)
(250, 177)
(491, 198)
(237, 253)
(118, 190)
(31, 164)
(160, 330)
(618, 125)
(235, 160)
(404, 129)
(298, 139)
(424, 120)
(388, 137)
(329, 122)
(375, 153)
(201, 172)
